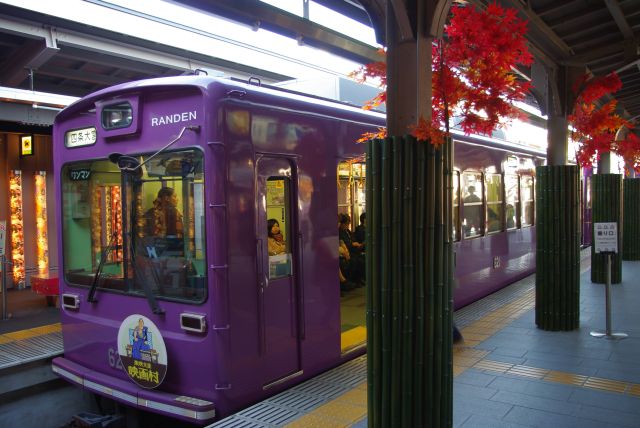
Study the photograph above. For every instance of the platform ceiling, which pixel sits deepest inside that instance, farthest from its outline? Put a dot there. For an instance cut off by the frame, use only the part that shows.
(601, 35)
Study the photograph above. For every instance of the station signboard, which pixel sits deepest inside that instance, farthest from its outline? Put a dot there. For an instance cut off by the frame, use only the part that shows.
(605, 237)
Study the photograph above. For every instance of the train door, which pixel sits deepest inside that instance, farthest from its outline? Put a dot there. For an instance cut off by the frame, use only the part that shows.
(351, 202)
(276, 232)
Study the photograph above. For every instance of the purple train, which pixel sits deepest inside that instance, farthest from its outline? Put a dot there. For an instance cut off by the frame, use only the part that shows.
(176, 297)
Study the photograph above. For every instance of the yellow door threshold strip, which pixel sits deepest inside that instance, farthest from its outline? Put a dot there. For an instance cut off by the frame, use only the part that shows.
(353, 338)
(30, 333)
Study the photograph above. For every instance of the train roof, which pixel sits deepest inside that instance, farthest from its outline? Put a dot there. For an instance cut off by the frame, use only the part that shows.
(206, 84)
(267, 93)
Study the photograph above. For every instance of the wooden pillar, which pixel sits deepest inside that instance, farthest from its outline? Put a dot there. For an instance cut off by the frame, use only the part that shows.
(408, 69)
(562, 100)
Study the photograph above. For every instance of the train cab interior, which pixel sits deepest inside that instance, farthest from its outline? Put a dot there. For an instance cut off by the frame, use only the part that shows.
(154, 240)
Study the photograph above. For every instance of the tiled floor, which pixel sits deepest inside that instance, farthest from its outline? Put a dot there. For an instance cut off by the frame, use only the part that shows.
(508, 373)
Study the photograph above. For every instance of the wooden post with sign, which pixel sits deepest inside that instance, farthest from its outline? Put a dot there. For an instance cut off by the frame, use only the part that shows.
(606, 242)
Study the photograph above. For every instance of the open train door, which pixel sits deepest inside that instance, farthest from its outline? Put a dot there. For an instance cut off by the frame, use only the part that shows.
(277, 261)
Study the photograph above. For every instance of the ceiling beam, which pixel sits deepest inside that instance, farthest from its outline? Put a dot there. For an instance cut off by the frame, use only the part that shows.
(595, 54)
(618, 17)
(261, 15)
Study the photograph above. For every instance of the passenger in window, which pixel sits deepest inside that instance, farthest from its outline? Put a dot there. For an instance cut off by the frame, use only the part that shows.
(360, 233)
(471, 195)
(344, 269)
(163, 218)
(511, 216)
(356, 263)
(493, 221)
(472, 222)
(275, 240)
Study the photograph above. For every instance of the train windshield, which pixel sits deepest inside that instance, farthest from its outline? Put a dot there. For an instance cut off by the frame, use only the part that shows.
(140, 232)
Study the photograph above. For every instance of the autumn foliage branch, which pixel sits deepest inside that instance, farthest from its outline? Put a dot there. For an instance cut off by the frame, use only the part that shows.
(473, 78)
(595, 124)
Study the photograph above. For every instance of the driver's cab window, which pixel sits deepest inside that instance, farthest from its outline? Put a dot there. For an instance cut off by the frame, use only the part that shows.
(139, 233)
(277, 227)
(169, 230)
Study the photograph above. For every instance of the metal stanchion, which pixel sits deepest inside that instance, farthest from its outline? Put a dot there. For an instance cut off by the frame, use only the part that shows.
(3, 265)
(607, 333)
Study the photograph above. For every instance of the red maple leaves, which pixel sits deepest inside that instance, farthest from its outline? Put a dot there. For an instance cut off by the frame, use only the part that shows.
(473, 77)
(595, 126)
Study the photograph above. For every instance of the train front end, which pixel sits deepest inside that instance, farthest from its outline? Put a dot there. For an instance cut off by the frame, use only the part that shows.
(137, 319)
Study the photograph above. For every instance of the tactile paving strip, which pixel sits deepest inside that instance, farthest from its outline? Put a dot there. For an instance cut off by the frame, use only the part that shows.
(30, 345)
(299, 400)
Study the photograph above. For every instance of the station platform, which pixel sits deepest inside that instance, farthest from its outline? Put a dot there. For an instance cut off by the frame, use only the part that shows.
(507, 372)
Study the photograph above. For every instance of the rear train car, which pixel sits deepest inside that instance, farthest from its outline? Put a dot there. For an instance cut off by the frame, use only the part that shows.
(172, 298)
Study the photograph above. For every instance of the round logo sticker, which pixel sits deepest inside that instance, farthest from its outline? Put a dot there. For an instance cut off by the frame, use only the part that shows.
(142, 351)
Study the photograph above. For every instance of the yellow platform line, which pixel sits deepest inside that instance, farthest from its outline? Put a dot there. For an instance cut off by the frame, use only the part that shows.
(30, 333)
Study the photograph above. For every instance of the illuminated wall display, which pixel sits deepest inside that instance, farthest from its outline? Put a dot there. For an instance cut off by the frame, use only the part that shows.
(42, 241)
(17, 233)
(106, 219)
(26, 145)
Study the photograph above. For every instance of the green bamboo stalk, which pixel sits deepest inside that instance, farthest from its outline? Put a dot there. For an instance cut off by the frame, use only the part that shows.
(396, 284)
(385, 292)
(373, 207)
(419, 385)
(408, 229)
(631, 219)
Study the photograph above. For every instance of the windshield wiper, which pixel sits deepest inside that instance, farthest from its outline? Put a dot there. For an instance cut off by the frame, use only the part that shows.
(144, 271)
(96, 277)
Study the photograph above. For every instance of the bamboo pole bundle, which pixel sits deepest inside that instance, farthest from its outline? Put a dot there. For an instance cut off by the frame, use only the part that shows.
(557, 251)
(631, 219)
(606, 207)
(409, 304)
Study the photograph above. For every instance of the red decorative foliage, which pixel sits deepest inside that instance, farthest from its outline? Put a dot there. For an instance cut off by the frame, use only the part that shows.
(473, 74)
(595, 127)
(476, 79)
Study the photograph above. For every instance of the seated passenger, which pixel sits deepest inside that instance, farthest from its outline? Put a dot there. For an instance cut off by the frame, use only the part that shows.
(275, 241)
(359, 235)
(356, 257)
(344, 269)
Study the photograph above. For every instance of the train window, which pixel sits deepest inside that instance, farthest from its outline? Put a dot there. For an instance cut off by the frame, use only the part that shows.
(456, 206)
(527, 198)
(512, 200)
(473, 212)
(351, 189)
(278, 233)
(494, 203)
(117, 116)
(164, 252)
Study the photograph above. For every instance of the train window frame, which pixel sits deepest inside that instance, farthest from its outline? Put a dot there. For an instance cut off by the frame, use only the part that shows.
(516, 202)
(124, 283)
(356, 178)
(280, 264)
(499, 203)
(472, 203)
(131, 127)
(455, 202)
(587, 191)
(523, 201)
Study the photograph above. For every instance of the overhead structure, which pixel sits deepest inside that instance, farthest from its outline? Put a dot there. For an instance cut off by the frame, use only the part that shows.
(72, 58)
